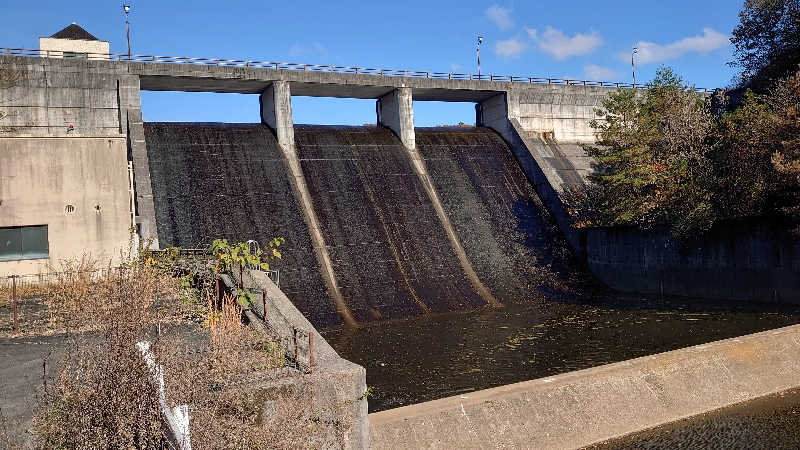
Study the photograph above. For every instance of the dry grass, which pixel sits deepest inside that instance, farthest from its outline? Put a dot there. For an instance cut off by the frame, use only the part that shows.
(103, 395)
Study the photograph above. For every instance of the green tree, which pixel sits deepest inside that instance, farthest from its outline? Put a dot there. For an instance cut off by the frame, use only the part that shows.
(767, 42)
(651, 150)
(757, 154)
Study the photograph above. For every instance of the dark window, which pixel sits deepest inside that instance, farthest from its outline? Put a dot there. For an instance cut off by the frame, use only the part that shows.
(23, 243)
(74, 55)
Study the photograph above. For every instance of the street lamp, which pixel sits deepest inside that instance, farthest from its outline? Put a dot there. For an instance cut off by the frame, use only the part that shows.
(127, 9)
(633, 66)
(480, 41)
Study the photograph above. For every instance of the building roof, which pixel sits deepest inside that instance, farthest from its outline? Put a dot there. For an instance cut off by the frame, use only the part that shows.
(74, 31)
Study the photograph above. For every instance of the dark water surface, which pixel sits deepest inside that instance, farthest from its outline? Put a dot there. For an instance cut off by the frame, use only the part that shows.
(771, 422)
(433, 357)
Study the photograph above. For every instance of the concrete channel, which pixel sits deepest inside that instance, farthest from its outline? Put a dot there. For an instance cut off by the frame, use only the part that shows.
(581, 408)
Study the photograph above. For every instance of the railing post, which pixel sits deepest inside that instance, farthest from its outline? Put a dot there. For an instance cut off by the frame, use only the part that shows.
(14, 301)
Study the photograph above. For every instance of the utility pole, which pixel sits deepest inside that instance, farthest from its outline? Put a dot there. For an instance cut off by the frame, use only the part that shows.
(633, 65)
(127, 9)
(480, 41)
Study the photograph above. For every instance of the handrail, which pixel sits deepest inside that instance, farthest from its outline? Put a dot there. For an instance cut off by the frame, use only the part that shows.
(290, 66)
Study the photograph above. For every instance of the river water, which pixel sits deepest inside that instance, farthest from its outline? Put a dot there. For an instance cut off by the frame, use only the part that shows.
(430, 357)
(771, 422)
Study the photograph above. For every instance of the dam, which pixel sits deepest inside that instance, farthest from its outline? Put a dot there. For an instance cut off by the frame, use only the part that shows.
(440, 259)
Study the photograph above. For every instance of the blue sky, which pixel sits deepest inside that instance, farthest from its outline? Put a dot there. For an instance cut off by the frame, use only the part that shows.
(575, 39)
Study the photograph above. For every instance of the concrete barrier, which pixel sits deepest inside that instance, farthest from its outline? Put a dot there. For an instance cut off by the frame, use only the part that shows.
(337, 386)
(580, 408)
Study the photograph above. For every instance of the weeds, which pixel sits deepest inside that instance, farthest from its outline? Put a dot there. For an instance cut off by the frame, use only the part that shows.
(103, 395)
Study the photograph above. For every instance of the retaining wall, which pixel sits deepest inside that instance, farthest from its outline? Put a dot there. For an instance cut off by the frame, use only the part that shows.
(756, 262)
(337, 386)
(584, 407)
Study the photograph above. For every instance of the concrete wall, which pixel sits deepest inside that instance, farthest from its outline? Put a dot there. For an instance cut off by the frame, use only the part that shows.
(734, 261)
(565, 111)
(52, 94)
(337, 385)
(54, 48)
(39, 177)
(580, 408)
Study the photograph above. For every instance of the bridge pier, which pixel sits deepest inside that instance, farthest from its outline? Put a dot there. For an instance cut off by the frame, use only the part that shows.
(276, 113)
(395, 111)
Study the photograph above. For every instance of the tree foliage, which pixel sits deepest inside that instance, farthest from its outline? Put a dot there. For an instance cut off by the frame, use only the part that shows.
(652, 152)
(664, 159)
(767, 42)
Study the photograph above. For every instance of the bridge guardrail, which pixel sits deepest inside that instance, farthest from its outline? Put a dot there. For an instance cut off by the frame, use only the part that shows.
(290, 66)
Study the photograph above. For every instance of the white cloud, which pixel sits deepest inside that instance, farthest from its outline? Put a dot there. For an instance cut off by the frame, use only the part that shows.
(599, 73)
(650, 52)
(301, 50)
(455, 67)
(510, 48)
(561, 46)
(500, 16)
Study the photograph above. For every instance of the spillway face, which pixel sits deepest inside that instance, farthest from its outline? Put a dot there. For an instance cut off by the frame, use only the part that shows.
(389, 251)
(505, 229)
(231, 181)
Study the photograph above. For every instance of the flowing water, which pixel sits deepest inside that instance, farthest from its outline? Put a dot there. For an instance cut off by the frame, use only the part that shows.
(425, 331)
(230, 181)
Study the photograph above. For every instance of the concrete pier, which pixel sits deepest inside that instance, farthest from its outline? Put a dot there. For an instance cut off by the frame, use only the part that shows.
(580, 408)
(276, 112)
(395, 112)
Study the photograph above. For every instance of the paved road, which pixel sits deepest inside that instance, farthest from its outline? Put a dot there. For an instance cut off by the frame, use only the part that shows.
(20, 376)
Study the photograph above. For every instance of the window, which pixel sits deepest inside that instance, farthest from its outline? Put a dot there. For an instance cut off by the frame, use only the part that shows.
(23, 243)
(74, 55)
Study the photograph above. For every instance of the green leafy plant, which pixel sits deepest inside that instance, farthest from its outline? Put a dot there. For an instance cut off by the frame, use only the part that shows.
(228, 257)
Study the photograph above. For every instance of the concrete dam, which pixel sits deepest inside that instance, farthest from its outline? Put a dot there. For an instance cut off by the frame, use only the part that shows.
(391, 254)
(391, 221)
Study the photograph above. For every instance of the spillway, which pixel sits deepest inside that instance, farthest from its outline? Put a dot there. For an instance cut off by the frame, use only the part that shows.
(231, 181)
(510, 238)
(390, 253)
(389, 250)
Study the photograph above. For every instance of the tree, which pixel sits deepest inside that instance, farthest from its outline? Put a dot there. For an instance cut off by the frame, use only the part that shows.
(651, 151)
(767, 42)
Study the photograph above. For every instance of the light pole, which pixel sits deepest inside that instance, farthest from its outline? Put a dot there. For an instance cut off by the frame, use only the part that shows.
(127, 9)
(633, 65)
(480, 41)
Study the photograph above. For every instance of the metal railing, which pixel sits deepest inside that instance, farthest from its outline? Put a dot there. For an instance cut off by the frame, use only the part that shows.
(296, 342)
(290, 66)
